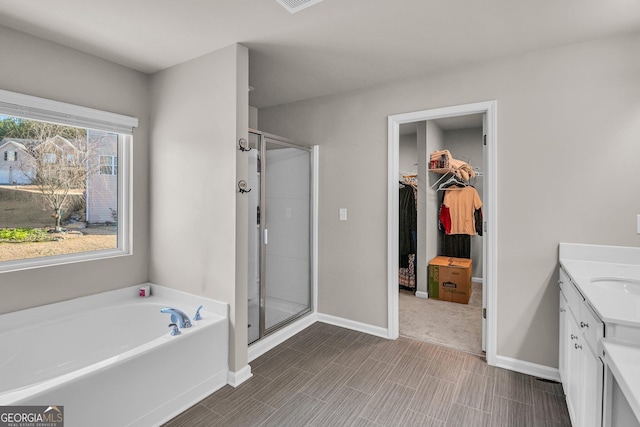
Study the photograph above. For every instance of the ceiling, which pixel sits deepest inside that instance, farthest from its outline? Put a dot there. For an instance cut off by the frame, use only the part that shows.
(330, 47)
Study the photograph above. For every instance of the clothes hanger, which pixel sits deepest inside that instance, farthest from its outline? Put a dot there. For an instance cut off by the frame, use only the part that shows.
(452, 181)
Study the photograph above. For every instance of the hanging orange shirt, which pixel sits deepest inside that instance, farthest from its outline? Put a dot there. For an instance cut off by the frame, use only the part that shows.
(462, 204)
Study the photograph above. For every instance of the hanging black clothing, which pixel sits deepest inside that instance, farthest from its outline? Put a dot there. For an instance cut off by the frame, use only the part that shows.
(455, 245)
(408, 225)
(477, 215)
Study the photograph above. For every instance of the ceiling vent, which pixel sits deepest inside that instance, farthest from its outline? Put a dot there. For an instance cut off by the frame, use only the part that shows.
(294, 6)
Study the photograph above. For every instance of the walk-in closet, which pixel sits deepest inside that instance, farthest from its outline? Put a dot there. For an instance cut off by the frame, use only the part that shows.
(441, 222)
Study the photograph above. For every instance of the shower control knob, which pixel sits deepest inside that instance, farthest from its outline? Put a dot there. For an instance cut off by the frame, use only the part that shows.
(243, 145)
(242, 186)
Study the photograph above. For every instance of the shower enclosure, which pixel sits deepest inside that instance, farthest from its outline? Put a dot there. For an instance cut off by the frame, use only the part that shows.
(280, 238)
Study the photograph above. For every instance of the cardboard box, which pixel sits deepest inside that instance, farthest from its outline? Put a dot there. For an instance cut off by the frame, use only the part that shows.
(450, 279)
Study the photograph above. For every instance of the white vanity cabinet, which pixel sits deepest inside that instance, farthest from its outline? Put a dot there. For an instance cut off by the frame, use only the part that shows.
(581, 368)
(600, 334)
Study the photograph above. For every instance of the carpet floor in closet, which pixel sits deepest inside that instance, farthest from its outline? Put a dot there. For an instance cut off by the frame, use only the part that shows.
(447, 323)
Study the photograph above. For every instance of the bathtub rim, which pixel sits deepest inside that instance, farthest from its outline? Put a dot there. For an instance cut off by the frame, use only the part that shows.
(32, 316)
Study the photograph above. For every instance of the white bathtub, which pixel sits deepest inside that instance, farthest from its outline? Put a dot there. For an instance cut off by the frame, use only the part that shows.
(109, 358)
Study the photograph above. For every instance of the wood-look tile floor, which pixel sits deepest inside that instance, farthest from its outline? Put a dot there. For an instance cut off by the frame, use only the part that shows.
(330, 376)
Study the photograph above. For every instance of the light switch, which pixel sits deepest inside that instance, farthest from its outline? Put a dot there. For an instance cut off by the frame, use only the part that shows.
(343, 214)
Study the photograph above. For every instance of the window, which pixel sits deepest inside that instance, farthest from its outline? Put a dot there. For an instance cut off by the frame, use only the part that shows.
(49, 157)
(108, 165)
(68, 200)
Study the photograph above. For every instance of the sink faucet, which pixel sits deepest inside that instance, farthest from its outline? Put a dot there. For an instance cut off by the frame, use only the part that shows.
(178, 317)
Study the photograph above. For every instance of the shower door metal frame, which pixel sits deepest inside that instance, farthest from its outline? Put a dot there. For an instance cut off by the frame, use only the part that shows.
(263, 138)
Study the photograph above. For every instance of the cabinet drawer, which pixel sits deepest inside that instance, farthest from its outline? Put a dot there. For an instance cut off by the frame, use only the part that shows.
(573, 296)
(591, 326)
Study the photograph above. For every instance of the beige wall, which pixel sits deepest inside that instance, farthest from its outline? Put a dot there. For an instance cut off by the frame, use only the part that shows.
(40, 68)
(435, 142)
(200, 110)
(568, 126)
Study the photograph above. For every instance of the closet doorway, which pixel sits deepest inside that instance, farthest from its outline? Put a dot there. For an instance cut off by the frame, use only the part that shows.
(482, 114)
(280, 233)
(423, 188)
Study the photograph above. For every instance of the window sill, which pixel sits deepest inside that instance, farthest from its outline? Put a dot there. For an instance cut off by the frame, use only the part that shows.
(51, 261)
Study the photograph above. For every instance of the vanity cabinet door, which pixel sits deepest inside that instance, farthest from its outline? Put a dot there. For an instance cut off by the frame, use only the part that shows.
(592, 367)
(584, 373)
(592, 379)
(581, 370)
(574, 371)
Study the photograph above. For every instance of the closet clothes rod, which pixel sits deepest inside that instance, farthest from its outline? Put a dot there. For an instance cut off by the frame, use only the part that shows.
(403, 184)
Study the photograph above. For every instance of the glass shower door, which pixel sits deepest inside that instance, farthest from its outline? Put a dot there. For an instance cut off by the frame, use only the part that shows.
(287, 232)
(279, 276)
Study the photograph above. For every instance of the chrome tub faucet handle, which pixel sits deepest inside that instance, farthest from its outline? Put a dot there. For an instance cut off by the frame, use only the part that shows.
(175, 331)
(198, 316)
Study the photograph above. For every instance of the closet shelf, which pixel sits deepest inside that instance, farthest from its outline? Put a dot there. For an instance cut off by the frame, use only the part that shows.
(442, 171)
(445, 171)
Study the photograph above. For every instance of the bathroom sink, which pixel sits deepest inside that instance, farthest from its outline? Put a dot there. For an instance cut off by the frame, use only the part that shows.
(618, 284)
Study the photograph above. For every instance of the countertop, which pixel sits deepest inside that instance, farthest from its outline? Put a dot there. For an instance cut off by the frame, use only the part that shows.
(586, 262)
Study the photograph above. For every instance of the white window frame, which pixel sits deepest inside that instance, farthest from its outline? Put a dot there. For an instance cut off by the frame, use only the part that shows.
(113, 164)
(50, 157)
(11, 156)
(34, 108)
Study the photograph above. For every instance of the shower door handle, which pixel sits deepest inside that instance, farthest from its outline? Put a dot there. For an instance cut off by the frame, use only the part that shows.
(265, 237)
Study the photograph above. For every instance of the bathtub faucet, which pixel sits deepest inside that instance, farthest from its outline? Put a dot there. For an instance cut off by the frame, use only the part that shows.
(178, 317)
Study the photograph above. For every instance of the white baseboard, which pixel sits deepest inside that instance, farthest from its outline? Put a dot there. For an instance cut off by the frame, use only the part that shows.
(528, 368)
(421, 294)
(259, 348)
(352, 324)
(234, 379)
(477, 279)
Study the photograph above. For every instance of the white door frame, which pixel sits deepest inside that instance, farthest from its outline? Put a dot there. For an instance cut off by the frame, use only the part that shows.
(489, 211)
